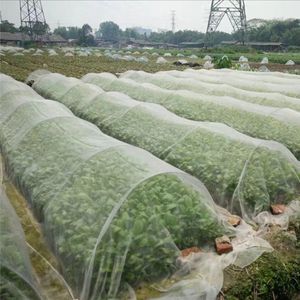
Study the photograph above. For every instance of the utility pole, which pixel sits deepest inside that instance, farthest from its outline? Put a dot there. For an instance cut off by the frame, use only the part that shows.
(31, 14)
(173, 20)
(235, 11)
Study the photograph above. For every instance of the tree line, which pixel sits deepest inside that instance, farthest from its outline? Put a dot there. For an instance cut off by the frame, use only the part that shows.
(285, 31)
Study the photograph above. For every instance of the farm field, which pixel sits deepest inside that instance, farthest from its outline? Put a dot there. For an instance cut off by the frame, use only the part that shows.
(20, 67)
(124, 176)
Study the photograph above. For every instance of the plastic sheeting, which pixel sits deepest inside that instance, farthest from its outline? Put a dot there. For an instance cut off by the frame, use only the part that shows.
(209, 267)
(197, 82)
(265, 60)
(238, 170)
(17, 280)
(290, 63)
(263, 69)
(208, 65)
(282, 125)
(113, 213)
(161, 60)
(207, 58)
(244, 67)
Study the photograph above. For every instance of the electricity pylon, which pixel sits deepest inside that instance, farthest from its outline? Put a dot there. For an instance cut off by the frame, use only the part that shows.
(32, 15)
(235, 11)
(173, 20)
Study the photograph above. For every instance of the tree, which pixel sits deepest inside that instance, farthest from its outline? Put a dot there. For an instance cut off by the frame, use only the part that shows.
(109, 31)
(68, 32)
(86, 37)
(131, 33)
(62, 31)
(294, 37)
(87, 29)
(276, 31)
(38, 29)
(217, 37)
(6, 26)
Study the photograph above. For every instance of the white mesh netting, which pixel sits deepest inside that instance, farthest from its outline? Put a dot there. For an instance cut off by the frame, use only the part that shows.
(112, 213)
(278, 124)
(238, 170)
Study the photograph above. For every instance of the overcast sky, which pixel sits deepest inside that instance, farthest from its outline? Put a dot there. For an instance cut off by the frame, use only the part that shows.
(149, 14)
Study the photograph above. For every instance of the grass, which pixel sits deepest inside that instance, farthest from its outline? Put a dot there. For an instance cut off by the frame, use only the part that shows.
(274, 276)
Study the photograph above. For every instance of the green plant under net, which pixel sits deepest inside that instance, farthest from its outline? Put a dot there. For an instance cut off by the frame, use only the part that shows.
(223, 63)
(112, 213)
(281, 125)
(243, 174)
(226, 82)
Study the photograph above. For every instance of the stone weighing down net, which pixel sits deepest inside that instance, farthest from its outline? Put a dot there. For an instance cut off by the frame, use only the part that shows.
(281, 125)
(243, 174)
(112, 213)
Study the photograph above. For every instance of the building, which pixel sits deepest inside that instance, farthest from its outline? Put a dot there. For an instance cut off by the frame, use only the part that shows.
(142, 43)
(16, 39)
(264, 46)
(199, 44)
(53, 39)
(13, 39)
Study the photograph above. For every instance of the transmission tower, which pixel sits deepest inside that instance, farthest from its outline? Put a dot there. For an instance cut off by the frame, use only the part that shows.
(235, 11)
(173, 20)
(31, 13)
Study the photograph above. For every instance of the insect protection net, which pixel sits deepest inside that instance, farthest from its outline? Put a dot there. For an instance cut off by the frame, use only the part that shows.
(263, 84)
(227, 84)
(244, 174)
(272, 77)
(278, 124)
(17, 280)
(112, 213)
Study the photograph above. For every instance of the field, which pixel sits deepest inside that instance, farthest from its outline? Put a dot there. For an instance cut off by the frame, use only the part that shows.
(148, 185)
(20, 67)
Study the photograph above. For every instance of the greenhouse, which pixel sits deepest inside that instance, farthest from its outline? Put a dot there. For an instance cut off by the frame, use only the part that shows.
(238, 170)
(281, 125)
(112, 213)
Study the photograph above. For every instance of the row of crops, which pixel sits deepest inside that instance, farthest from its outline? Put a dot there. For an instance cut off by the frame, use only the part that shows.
(238, 170)
(265, 122)
(124, 173)
(110, 211)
